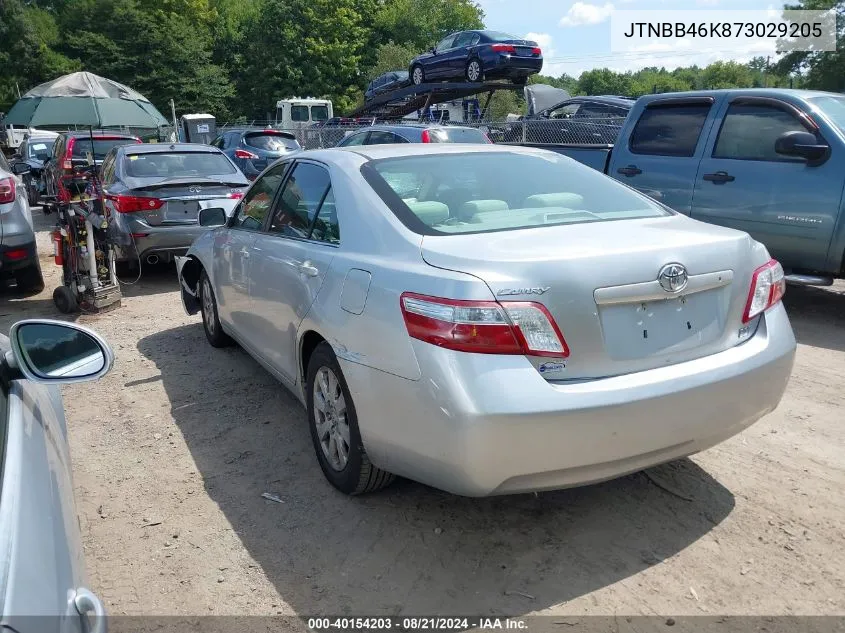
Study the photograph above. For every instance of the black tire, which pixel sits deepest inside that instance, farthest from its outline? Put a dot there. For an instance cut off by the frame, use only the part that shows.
(474, 71)
(415, 79)
(29, 279)
(210, 322)
(65, 300)
(358, 475)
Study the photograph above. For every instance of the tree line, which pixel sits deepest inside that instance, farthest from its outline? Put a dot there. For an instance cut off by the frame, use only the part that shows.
(236, 58)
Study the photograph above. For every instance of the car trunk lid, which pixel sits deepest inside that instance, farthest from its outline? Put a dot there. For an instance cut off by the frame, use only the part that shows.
(183, 198)
(599, 280)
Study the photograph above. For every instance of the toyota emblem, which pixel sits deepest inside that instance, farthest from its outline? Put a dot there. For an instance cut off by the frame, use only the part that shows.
(672, 277)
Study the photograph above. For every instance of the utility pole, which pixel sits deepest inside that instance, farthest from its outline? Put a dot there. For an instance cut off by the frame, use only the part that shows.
(765, 73)
(18, 88)
(173, 112)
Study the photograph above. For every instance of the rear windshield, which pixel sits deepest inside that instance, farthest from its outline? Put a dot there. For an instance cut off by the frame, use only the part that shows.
(442, 194)
(102, 146)
(271, 142)
(40, 150)
(456, 135)
(498, 36)
(177, 165)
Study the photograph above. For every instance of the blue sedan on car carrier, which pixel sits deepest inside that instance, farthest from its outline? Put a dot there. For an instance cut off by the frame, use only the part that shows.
(478, 55)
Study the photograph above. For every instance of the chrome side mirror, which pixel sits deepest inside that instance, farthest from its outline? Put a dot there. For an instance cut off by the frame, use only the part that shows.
(213, 217)
(49, 351)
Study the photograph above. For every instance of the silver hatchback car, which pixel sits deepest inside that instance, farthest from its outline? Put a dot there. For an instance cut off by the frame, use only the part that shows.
(490, 319)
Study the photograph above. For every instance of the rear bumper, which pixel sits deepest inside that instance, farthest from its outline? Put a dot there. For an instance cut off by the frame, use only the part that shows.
(9, 265)
(513, 66)
(476, 425)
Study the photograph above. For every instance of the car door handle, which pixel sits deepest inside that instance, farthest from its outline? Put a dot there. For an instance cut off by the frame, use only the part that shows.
(87, 602)
(720, 177)
(308, 270)
(630, 170)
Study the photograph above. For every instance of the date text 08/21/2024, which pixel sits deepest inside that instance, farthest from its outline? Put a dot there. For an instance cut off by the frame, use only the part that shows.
(415, 624)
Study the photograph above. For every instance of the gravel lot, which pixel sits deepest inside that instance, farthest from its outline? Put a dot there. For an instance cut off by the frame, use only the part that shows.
(173, 449)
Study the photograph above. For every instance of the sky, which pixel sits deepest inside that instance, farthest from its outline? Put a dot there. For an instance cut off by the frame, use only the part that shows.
(575, 34)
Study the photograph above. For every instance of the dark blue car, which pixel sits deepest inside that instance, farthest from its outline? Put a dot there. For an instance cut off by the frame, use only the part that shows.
(476, 56)
(385, 83)
(252, 150)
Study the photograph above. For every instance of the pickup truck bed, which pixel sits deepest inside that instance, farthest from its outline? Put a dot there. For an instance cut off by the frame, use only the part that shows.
(766, 161)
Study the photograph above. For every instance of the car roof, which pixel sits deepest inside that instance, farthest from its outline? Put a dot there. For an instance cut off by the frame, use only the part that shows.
(158, 148)
(414, 126)
(624, 102)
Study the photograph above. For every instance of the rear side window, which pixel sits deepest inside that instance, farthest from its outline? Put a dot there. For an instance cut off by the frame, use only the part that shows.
(300, 200)
(177, 165)
(749, 132)
(671, 130)
(270, 142)
(380, 137)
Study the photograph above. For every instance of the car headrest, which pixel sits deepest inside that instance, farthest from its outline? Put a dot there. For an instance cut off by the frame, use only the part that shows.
(429, 212)
(562, 199)
(474, 207)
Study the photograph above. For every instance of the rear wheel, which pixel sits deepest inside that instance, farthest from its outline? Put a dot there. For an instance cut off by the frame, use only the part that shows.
(29, 279)
(65, 300)
(417, 75)
(334, 428)
(474, 71)
(210, 322)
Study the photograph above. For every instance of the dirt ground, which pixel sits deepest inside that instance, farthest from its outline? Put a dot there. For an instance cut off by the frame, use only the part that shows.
(173, 449)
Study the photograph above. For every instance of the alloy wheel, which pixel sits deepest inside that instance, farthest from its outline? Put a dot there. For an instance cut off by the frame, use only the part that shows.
(330, 418)
(207, 305)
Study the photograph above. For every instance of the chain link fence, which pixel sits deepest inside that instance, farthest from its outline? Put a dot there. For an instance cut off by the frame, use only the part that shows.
(535, 132)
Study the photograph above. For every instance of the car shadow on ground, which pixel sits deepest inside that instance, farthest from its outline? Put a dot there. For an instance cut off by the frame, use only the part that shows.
(817, 316)
(408, 549)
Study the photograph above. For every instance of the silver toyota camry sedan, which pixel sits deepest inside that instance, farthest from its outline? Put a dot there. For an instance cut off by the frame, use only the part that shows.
(490, 319)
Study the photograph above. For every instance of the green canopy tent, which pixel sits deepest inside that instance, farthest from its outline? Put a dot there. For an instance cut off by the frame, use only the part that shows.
(84, 99)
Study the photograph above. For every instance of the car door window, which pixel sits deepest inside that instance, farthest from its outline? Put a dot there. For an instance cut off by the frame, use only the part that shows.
(749, 132)
(300, 201)
(446, 43)
(463, 39)
(565, 112)
(669, 130)
(253, 210)
(325, 227)
(596, 111)
(355, 139)
(107, 173)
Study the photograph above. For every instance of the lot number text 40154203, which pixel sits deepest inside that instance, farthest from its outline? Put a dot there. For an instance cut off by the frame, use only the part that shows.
(417, 623)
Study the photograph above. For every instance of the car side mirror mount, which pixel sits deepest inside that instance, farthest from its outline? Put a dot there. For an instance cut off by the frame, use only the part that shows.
(434, 50)
(803, 145)
(19, 169)
(212, 217)
(48, 351)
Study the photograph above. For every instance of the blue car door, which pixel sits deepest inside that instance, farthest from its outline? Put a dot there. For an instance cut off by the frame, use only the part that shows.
(438, 64)
(784, 202)
(459, 54)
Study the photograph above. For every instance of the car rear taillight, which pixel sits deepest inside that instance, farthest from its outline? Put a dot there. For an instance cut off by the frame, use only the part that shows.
(16, 254)
(483, 327)
(131, 204)
(235, 195)
(7, 190)
(503, 48)
(426, 137)
(67, 163)
(767, 288)
(536, 51)
(242, 153)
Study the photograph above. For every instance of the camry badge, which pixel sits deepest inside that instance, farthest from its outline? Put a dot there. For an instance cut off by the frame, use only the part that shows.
(672, 277)
(507, 292)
